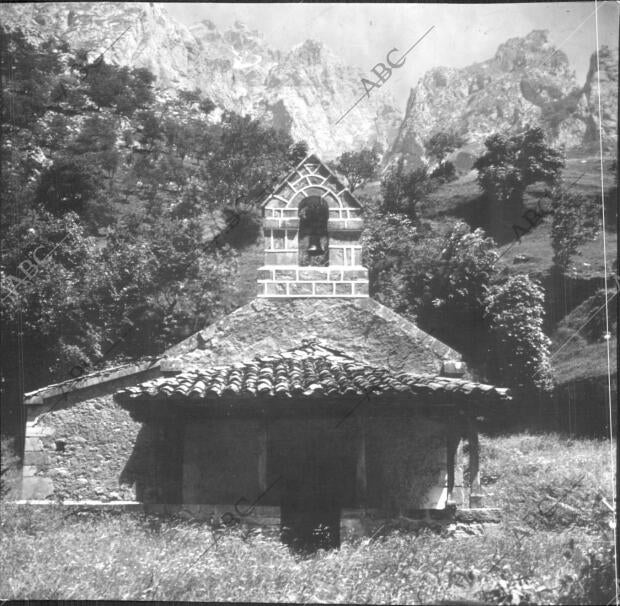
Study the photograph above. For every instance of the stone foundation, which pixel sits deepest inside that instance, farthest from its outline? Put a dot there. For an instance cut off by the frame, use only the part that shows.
(353, 522)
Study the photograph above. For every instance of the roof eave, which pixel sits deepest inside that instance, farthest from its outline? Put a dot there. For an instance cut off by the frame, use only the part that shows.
(101, 377)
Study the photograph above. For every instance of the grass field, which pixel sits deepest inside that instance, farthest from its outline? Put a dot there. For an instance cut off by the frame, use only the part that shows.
(552, 547)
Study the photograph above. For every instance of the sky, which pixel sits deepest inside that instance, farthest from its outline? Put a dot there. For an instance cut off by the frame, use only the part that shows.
(363, 34)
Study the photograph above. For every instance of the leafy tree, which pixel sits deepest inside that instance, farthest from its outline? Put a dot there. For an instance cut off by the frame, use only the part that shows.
(512, 163)
(450, 285)
(297, 152)
(206, 106)
(243, 160)
(443, 173)
(443, 143)
(576, 219)
(58, 133)
(27, 74)
(190, 96)
(121, 88)
(47, 315)
(67, 172)
(389, 245)
(515, 311)
(150, 128)
(96, 146)
(402, 190)
(67, 186)
(451, 289)
(165, 264)
(357, 167)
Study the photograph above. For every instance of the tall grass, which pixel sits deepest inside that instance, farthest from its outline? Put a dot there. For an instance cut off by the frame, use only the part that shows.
(54, 555)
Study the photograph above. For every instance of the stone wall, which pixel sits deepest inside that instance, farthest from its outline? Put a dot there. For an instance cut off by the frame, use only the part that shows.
(93, 450)
(82, 452)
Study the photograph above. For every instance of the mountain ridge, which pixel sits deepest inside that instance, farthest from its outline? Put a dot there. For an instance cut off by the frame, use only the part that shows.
(307, 89)
(526, 82)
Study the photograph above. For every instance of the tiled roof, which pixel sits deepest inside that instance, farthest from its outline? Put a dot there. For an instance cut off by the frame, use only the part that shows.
(306, 372)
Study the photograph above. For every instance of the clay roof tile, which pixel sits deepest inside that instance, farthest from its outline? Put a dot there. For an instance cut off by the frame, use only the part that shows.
(309, 371)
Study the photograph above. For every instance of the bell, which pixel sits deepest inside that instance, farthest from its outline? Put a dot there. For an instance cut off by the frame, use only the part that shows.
(315, 246)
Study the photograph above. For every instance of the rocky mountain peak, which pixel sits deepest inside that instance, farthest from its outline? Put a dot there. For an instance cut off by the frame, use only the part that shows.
(204, 29)
(603, 71)
(515, 53)
(527, 82)
(312, 52)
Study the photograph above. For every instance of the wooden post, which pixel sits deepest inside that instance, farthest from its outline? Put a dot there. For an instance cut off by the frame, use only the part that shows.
(452, 443)
(361, 485)
(475, 489)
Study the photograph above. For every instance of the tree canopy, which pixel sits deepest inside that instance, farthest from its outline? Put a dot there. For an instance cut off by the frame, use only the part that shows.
(448, 281)
(403, 189)
(358, 167)
(443, 143)
(575, 220)
(511, 163)
(124, 194)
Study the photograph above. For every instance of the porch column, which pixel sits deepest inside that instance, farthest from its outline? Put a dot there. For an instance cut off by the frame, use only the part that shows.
(360, 471)
(452, 443)
(475, 489)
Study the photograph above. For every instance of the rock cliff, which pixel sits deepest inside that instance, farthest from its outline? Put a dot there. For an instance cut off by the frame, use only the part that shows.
(307, 89)
(527, 82)
(304, 91)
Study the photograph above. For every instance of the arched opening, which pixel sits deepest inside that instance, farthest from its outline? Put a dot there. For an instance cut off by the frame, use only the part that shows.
(313, 241)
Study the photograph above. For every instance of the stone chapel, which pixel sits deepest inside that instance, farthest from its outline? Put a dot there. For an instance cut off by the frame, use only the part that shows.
(287, 412)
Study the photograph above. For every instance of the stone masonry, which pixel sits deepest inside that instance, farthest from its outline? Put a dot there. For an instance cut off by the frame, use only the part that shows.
(282, 276)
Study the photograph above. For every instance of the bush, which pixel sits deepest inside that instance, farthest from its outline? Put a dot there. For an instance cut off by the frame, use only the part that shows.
(402, 190)
(444, 173)
(515, 311)
(596, 582)
(576, 219)
(441, 144)
(68, 185)
(9, 468)
(122, 88)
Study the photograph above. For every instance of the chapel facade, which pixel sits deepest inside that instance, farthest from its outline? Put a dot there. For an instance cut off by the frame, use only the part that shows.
(311, 406)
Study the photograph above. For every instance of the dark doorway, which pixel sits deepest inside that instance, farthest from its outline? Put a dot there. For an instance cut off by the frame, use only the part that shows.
(318, 478)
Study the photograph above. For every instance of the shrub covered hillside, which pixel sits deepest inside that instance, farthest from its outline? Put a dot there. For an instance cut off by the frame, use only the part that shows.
(494, 261)
(553, 547)
(112, 196)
